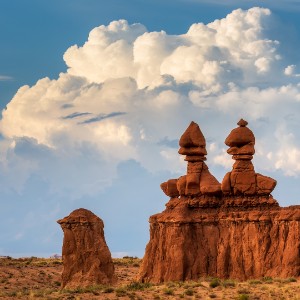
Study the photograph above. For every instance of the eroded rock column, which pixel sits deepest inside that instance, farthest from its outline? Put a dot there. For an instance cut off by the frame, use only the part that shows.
(243, 184)
(86, 257)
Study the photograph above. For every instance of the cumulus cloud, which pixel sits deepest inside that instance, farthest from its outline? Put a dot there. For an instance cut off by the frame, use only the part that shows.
(289, 5)
(128, 94)
(291, 71)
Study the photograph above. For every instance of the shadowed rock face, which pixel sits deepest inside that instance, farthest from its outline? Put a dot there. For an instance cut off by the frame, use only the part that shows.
(86, 257)
(237, 230)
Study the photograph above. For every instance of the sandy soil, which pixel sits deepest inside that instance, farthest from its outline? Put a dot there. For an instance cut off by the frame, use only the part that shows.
(36, 278)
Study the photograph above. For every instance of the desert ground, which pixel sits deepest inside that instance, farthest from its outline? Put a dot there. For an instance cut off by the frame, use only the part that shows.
(39, 278)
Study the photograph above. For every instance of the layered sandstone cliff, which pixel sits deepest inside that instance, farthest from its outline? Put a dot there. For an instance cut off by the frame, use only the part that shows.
(233, 229)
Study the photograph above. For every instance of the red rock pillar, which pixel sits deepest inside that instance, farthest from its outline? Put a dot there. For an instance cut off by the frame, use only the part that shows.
(86, 257)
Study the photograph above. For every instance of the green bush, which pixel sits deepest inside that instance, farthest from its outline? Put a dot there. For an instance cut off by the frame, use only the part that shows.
(254, 281)
(215, 282)
(243, 297)
(108, 290)
(138, 286)
(291, 279)
(120, 292)
(229, 283)
(189, 292)
(267, 279)
(169, 291)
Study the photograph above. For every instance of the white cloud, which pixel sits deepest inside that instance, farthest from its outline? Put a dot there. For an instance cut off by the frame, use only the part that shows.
(5, 78)
(126, 90)
(287, 5)
(291, 71)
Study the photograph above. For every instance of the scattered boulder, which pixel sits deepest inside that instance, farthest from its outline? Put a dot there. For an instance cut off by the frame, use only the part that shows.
(86, 257)
(233, 230)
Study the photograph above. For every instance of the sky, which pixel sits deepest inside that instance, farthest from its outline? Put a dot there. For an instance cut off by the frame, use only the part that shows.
(95, 95)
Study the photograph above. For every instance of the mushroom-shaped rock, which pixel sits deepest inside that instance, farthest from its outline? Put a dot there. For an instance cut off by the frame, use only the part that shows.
(86, 257)
(241, 140)
(242, 180)
(192, 142)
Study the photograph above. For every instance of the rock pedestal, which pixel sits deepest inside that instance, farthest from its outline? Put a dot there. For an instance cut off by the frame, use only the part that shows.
(230, 230)
(86, 257)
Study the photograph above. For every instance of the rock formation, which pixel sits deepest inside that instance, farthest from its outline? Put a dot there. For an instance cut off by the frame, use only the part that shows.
(198, 182)
(242, 180)
(230, 230)
(86, 257)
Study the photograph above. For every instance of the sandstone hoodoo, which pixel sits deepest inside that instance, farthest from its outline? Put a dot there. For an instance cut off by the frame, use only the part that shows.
(242, 180)
(198, 182)
(86, 257)
(231, 230)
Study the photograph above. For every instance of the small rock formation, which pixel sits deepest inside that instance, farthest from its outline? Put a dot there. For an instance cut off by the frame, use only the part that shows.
(198, 182)
(242, 180)
(86, 257)
(231, 230)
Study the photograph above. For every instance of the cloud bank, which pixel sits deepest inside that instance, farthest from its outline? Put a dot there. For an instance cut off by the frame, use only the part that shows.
(128, 95)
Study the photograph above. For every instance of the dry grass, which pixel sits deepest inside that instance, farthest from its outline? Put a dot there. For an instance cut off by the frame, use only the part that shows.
(36, 278)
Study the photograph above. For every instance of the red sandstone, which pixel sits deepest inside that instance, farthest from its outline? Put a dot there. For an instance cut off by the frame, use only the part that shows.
(233, 230)
(86, 257)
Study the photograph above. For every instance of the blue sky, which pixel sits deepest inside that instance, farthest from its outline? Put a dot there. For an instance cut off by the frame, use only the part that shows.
(98, 126)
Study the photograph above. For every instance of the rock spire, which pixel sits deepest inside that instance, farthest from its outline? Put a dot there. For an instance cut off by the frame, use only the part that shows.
(242, 180)
(86, 257)
(198, 180)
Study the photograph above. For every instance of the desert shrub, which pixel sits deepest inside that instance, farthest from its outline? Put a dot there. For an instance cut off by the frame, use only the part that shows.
(130, 257)
(169, 291)
(189, 292)
(41, 263)
(243, 291)
(171, 284)
(56, 283)
(127, 261)
(291, 279)
(95, 289)
(254, 281)
(131, 296)
(120, 292)
(229, 283)
(267, 279)
(243, 297)
(12, 294)
(138, 286)
(196, 284)
(108, 290)
(215, 282)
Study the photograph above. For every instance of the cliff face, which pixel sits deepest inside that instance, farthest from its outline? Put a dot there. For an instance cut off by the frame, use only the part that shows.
(86, 257)
(187, 243)
(237, 231)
